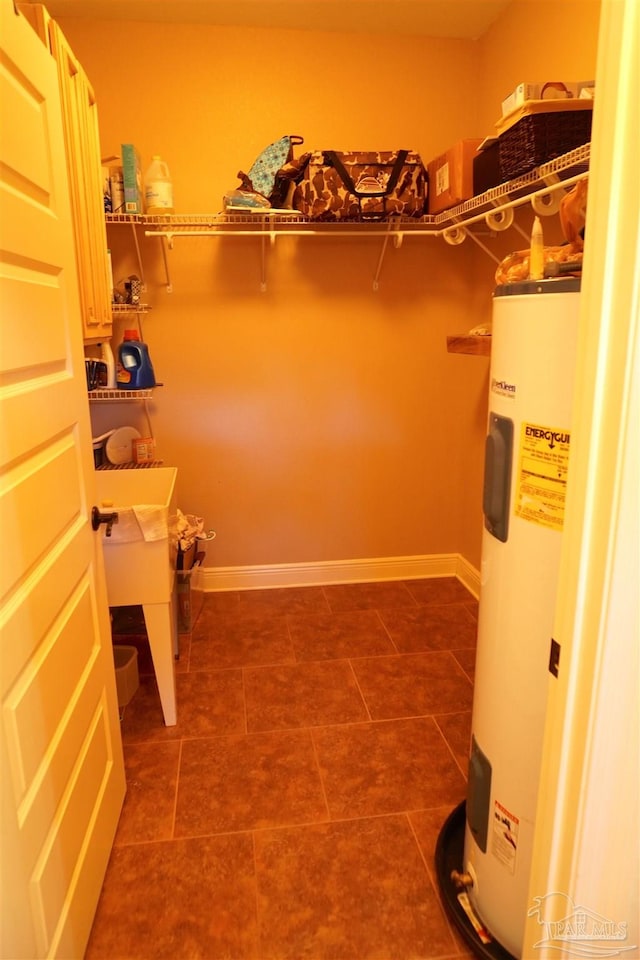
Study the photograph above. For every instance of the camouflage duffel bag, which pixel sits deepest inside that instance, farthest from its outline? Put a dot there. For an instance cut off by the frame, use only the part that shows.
(361, 185)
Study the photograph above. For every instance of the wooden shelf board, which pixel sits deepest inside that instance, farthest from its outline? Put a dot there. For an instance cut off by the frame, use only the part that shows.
(471, 345)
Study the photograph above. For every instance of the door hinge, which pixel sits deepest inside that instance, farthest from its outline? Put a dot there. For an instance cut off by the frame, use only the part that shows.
(554, 657)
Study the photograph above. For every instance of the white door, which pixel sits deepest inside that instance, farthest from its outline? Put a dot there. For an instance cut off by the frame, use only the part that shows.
(60, 747)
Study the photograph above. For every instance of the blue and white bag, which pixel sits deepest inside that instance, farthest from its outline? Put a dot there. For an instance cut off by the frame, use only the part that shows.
(262, 177)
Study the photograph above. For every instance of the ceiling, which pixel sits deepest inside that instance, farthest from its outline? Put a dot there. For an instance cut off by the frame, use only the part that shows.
(436, 18)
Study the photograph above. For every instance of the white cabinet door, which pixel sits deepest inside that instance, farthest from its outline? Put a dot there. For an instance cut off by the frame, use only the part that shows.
(62, 776)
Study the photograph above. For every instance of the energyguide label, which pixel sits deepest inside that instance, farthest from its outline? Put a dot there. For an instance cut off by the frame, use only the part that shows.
(543, 466)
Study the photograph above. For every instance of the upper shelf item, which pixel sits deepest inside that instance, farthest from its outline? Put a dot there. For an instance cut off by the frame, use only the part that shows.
(543, 187)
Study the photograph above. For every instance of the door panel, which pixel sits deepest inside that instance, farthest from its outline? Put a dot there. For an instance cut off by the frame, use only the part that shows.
(60, 746)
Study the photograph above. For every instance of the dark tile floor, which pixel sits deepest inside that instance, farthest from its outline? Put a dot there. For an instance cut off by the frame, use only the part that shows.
(293, 811)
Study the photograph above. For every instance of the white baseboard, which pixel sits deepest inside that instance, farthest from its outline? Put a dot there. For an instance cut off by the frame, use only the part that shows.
(341, 571)
(467, 574)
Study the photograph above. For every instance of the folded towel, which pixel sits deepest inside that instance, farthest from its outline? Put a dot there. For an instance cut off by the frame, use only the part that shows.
(153, 520)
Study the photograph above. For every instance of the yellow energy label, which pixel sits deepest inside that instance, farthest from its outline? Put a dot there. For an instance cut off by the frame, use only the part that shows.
(542, 475)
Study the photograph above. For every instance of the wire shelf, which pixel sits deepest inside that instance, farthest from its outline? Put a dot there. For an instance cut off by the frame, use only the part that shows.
(547, 177)
(109, 395)
(130, 466)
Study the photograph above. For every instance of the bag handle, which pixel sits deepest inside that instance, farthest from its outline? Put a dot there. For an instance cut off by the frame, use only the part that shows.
(556, 85)
(334, 160)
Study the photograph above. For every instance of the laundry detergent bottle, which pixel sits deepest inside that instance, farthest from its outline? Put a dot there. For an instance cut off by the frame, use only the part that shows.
(135, 370)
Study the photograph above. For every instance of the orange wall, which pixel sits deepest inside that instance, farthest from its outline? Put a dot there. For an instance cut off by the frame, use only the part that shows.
(318, 420)
(537, 40)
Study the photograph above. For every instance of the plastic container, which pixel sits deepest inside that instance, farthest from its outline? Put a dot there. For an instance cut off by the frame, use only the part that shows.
(158, 188)
(125, 660)
(109, 360)
(135, 370)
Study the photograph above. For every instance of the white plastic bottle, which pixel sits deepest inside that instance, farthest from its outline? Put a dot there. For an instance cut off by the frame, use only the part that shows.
(536, 252)
(158, 188)
(108, 358)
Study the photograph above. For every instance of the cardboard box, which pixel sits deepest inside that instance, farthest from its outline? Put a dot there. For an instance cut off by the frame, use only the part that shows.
(132, 179)
(451, 176)
(533, 90)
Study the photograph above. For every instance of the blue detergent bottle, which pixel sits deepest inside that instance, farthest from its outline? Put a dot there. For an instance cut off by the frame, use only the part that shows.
(135, 370)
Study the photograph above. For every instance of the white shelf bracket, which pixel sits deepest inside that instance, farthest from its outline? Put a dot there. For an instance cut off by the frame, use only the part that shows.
(398, 237)
(138, 255)
(546, 204)
(483, 246)
(454, 236)
(263, 262)
(499, 220)
(457, 235)
(167, 241)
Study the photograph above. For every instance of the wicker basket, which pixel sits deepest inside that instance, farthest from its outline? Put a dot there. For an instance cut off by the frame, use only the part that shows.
(540, 137)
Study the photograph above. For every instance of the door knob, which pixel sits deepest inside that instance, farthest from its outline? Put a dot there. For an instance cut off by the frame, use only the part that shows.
(97, 518)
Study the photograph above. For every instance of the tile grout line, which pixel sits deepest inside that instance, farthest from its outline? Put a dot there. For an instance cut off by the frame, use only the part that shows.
(362, 696)
(175, 796)
(430, 876)
(255, 891)
(386, 630)
(319, 769)
(442, 734)
(244, 702)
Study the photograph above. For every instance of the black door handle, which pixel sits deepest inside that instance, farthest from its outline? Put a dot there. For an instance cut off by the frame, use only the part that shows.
(97, 518)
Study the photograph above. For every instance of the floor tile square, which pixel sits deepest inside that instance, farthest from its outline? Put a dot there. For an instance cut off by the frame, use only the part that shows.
(151, 771)
(413, 685)
(242, 643)
(207, 704)
(385, 767)
(216, 608)
(367, 596)
(347, 891)
(302, 695)
(439, 590)
(192, 898)
(432, 627)
(248, 782)
(284, 601)
(334, 636)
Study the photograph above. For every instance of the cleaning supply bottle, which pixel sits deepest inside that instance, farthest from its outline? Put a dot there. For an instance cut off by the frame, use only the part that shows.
(536, 252)
(135, 370)
(108, 359)
(158, 189)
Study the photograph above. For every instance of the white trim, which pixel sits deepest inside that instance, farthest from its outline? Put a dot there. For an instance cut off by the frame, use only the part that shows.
(587, 833)
(468, 575)
(341, 571)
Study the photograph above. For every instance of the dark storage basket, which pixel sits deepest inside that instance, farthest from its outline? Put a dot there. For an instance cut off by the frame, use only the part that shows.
(540, 137)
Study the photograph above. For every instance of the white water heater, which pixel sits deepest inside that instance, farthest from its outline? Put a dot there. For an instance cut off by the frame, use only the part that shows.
(535, 328)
